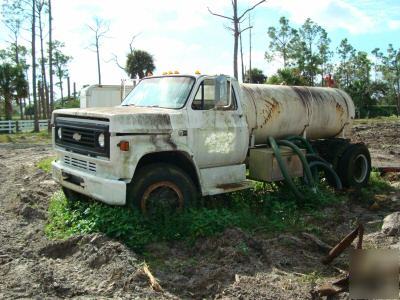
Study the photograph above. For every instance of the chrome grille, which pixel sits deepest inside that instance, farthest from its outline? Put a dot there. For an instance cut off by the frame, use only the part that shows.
(81, 136)
(80, 164)
(87, 136)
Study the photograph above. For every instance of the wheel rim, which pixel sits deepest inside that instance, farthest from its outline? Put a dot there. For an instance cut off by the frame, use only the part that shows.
(360, 168)
(164, 196)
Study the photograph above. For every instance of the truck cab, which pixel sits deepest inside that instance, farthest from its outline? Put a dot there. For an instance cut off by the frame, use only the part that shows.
(173, 138)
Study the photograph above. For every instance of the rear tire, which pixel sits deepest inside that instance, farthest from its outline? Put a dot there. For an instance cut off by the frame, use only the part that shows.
(354, 166)
(159, 188)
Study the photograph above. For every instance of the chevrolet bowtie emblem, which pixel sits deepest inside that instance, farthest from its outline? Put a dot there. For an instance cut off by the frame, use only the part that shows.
(77, 137)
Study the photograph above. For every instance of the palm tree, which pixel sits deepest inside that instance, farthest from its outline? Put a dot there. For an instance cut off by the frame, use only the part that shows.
(139, 63)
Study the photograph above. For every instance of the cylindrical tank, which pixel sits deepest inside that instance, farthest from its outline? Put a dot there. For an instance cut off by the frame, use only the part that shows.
(281, 111)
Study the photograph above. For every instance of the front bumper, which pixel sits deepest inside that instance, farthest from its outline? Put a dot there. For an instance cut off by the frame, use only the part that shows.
(109, 191)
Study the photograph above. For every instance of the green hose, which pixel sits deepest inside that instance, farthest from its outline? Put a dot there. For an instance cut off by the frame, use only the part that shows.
(314, 157)
(300, 154)
(328, 168)
(283, 168)
(302, 140)
(311, 177)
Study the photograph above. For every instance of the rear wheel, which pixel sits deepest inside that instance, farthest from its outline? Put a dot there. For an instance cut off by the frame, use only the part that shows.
(161, 188)
(354, 166)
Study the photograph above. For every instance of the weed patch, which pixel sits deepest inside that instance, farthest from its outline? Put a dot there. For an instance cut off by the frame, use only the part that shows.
(26, 137)
(45, 164)
(265, 209)
(377, 185)
(5, 138)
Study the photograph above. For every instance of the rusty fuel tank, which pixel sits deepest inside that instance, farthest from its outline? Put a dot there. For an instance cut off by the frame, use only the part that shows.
(281, 111)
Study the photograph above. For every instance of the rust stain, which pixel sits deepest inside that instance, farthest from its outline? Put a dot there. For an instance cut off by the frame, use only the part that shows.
(304, 96)
(170, 142)
(339, 109)
(159, 142)
(270, 111)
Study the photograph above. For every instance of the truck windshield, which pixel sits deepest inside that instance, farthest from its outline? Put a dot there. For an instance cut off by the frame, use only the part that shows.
(166, 92)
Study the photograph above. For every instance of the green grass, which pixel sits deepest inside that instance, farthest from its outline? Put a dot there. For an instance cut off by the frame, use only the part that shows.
(376, 185)
(391, 119)
(45, 164)
(26, 137)
(5, 138)
(265, 209)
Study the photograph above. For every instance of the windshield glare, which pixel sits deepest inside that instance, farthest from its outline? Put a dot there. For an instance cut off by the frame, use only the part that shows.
(166, 92)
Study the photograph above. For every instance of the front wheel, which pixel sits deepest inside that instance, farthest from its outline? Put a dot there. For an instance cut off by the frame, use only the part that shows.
(160, 188)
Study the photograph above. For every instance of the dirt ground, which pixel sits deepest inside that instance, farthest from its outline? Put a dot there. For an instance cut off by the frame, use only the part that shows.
(382, 139)
(232, 265)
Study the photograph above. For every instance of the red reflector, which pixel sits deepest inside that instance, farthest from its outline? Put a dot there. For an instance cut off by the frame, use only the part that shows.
(124, 145)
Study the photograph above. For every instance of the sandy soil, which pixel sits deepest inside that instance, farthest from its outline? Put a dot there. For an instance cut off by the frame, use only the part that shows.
(233, 265)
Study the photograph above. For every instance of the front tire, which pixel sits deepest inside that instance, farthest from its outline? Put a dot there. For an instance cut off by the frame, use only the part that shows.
(159, 188)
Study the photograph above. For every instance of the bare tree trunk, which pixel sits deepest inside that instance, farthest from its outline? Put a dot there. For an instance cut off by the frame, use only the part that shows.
(24, 111)
(236, 20)
(241, 58)
(45, 99)
(236, 37)
(250, 77)
(21, 115)
(36, 122)
(16, 50)
(74, 90)
(68, 88)
(51, 58)
(26, 116)
(8, 107)
(60, 82)
(98, 60)
(40, 99)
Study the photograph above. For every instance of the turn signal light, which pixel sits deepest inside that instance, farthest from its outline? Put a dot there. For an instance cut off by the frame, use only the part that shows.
(123, 145)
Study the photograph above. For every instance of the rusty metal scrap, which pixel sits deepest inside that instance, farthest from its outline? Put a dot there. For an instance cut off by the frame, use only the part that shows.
(341, 284)
(345, 243)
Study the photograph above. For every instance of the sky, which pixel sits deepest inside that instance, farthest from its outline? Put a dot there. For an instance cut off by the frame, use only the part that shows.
(183, 36)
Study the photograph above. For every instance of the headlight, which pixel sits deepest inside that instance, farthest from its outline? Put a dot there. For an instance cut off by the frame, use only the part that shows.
(100, 139)
(59, 133)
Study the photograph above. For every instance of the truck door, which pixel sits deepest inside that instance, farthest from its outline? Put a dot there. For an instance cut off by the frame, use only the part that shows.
(217, 132)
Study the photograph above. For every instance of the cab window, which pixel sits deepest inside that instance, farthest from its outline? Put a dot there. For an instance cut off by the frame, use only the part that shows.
(205, 97)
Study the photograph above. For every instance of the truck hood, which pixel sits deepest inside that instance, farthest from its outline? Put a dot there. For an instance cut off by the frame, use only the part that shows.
(131, 119)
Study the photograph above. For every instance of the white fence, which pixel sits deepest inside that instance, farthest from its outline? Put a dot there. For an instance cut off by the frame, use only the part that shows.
(21, 126)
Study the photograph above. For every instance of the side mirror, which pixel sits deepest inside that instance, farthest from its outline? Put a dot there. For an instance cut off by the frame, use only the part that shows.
(221, 91)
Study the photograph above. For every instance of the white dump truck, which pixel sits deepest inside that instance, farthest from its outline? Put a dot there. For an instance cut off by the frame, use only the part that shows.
(175, 137)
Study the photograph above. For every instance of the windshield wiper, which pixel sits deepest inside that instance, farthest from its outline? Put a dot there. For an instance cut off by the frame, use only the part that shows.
(128, 104)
